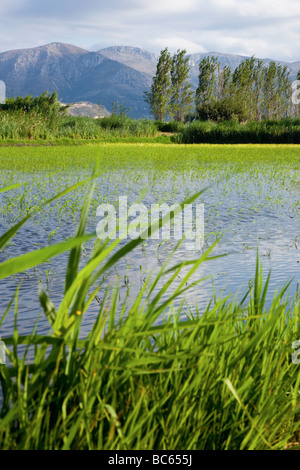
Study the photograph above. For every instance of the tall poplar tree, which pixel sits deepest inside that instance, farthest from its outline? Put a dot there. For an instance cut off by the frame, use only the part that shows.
(248, 83)
(257, 87)
(182, 95)
(206, 92)
(270, 92)
(159, 95)
(283, 91)
(224, 83)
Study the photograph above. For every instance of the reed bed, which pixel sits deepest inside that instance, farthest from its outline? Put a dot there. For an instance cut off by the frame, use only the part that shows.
(34, 127)
(284, 131)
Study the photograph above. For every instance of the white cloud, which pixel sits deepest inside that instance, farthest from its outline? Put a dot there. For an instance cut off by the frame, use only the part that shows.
(263, 28)
(174, 43)
(7, 7)
(171, 6)
(259, 8)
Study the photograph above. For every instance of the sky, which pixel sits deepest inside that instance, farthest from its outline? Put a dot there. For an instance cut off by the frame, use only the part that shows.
(264, 28)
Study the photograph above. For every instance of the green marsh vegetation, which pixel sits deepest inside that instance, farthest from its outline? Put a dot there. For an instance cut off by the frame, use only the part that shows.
(33, 129)
(153, 372)
(43, 120)
(284, 131)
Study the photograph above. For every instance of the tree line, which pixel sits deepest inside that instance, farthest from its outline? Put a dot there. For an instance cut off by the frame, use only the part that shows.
(252, 91)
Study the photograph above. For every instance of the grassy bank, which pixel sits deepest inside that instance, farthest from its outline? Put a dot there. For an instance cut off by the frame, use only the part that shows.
(19, 128)
(221, 380)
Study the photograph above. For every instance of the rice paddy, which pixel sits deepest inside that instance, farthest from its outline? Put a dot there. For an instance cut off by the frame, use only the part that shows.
(106, 346)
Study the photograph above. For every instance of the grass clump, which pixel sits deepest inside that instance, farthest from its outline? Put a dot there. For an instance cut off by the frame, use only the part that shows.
(171, 126)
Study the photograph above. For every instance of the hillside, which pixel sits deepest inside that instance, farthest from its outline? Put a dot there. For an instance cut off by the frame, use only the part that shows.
(84, 108)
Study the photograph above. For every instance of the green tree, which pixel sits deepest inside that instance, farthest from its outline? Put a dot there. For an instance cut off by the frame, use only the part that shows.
(252, 92)
(270, 92)
(224, 82)
(207, 90)
(182, 95)
(248, 85)
(159, 95)
(283, 91)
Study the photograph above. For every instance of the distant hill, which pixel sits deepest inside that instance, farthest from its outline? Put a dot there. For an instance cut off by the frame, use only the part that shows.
(84, 108)
(114, 74)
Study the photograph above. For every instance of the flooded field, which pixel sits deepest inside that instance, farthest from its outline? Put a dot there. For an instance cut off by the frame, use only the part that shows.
(251, 202)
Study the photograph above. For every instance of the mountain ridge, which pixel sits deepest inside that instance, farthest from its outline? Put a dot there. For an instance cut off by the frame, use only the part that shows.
(119, 74)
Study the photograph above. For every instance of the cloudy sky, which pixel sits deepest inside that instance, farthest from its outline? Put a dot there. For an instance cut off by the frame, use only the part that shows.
(264, 28)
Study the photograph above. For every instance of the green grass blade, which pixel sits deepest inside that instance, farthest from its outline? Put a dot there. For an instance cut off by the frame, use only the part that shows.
(37, 257)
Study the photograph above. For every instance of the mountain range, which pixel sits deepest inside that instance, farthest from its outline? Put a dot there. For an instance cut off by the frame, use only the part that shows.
(115, 74)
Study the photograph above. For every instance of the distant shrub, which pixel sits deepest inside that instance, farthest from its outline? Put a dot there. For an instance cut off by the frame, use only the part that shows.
(171, 126)
(114, 121)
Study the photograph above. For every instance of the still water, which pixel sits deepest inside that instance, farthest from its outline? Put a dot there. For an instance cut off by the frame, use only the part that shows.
(246, 208)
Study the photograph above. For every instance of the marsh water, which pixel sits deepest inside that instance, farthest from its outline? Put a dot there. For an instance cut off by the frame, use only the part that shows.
(250, 205)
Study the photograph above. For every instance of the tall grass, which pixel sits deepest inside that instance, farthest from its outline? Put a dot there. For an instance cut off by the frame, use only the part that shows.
(284, 131)
(34, 126)
(144, 378)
